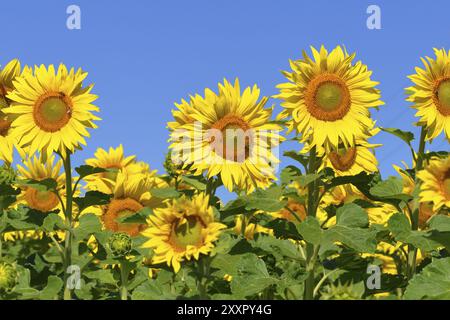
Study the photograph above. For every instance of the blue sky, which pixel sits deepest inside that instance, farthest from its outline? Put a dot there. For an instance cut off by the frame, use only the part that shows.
(145, 55)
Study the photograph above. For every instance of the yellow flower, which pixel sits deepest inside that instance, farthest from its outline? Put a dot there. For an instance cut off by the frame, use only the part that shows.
(379, 214)
(227, 134)
(430, 94)
(328, 99)
(435, 185)
(250, 229)
(7, 75)
(131, 195)
(112, 159)
(425, 208)
(182, 230)
(351, 161)
(51, 110)
(35, 168)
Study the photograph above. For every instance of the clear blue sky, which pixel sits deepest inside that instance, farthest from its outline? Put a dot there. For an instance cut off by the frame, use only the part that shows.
(145, 55)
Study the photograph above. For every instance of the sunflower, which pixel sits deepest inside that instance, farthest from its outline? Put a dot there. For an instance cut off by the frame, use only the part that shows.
(7, 75)
(425, 208)
(35, 168)
(250, 228)
(131, 195)
(227, 134)
(51, 110)
(182, 230)
(112, 159)
(379, 213)
(327, 99)
(351, 161)
(430, 94)
(435, 187)
(296, 204)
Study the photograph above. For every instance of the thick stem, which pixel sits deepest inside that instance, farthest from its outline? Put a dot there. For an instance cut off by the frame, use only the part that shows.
(412, 251)
(68, 215)
(311, 250)
(124, 282)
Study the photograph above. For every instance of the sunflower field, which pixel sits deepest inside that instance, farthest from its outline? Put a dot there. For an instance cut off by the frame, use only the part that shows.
(329, 227)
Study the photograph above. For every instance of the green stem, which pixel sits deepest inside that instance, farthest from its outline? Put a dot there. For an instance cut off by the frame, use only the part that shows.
(311, 250)
(412, 251)
(124, 282)
(68, 215)
(203, 274)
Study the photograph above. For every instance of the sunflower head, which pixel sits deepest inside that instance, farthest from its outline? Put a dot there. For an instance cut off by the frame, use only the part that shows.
(51, 109)
(228, 133)
(8, 276)
(37, 169)
(113, 160)
(120, 244)
(435, 187)
(327, 98)
(182, 230)
(131, 195)
(430, 94)
(7, 75)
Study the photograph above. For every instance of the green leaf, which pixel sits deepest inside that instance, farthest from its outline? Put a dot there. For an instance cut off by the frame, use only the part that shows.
(51, 291)
(102, 276)
(303, 159)
(311, 231)
(400, 227)
(194, 182)
(152, 290)
(406, 136)
(92, 198)
(391, 188)
(165, 193)
(361, 240)
(86, 170)
(266, 200)
(53, 222)
(432, 283)
(289, 174)
(42, 185)
(352, 215)
(440, 223)
(306, 179)
(88, 224)
(139, 217)
(252, 277)
(279, 248)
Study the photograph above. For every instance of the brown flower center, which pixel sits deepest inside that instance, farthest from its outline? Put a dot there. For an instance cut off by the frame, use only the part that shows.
(298, 208)
(120, 208)
(343, 159)
(186, 231)
(52, 111)
(327, 97)
(441, 96)
(4, 127)
(232, 141)
(44, 201)
(446, 184)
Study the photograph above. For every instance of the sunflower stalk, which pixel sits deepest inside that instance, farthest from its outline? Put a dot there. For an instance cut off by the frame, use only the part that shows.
(311, 250)
(124, 273)
(412, 251)
(68, 217)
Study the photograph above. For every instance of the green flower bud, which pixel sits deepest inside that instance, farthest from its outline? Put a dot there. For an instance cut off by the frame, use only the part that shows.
(8, 276)
(7, 174)
(120, 244)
